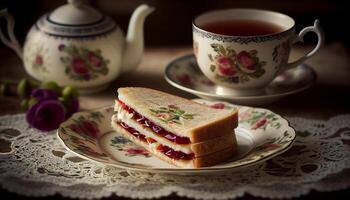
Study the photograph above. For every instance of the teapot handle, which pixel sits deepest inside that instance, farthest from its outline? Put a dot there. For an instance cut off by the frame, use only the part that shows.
(11, 41)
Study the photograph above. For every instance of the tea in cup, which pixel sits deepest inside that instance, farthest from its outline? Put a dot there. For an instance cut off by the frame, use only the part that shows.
(243, 50)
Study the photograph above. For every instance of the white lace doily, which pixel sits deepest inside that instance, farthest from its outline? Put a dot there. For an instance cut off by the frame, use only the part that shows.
(37, 165)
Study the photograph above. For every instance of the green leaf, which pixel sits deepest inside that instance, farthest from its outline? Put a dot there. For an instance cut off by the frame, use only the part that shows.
(257, 73)
(212, 68)
(97, 51)
(214, 46)
(210, 57)
(222, 49)
(154, 111)
(253, 53)
(179, 111)
(231, 52)
(188, 116)
(84, 52)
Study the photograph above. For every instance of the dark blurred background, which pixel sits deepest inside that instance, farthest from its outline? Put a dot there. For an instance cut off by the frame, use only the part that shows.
(170, 24)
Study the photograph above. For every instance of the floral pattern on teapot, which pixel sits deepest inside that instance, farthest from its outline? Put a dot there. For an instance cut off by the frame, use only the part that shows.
(233, 67)
(82, 64)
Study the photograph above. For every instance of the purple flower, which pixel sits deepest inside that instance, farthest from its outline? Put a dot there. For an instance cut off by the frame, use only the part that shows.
(73, 107)
(46, 115)
(44, 94)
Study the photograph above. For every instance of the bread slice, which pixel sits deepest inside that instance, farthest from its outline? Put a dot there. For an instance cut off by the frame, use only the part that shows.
(197, 122)
(202, 161)
(199, 149)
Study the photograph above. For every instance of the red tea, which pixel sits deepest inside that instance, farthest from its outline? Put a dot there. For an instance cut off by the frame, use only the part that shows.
(242, 27)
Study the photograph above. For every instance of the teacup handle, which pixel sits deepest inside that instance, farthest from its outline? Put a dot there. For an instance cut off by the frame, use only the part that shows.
(300, 38)
(12, 41)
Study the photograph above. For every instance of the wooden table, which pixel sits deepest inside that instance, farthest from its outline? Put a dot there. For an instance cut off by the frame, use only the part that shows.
(330, 96)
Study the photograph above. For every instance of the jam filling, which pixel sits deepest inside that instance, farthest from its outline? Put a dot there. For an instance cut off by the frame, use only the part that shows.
(156, 129)
(171, 153)
(133, 131)
(176, 155)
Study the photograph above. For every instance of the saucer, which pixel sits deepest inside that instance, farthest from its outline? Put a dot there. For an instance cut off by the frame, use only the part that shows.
(184, 73)
(261, 135)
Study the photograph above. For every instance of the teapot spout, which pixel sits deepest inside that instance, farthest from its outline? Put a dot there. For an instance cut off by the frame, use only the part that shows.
(134, 43)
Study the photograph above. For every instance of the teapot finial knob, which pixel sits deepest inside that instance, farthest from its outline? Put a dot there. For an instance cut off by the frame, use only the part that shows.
(76, 3)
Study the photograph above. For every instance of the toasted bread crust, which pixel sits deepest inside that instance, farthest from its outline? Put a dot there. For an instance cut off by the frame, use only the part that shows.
(214, 145)
(215, 129)
(203, 161)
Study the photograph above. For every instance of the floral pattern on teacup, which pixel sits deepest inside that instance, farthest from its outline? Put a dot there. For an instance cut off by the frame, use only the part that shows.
(280, 54)
(83, 64)
(232, 67)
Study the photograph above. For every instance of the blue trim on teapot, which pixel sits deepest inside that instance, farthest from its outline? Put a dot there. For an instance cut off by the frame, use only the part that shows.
(92, 36)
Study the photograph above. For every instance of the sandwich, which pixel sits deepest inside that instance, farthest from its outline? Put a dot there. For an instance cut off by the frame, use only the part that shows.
(179, 131)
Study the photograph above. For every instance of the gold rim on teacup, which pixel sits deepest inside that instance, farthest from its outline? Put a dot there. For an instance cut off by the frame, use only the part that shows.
(245, 65)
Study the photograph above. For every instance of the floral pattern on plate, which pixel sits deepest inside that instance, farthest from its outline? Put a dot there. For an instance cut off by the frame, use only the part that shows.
(122, 144)
(269, 135)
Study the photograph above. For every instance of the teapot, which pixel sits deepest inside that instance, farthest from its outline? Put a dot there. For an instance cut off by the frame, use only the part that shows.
(78, 45)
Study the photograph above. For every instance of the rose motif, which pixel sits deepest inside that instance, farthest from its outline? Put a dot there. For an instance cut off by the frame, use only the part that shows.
(261, 122)
(226, 66)
(218, 106)
(90, 128)
(244, 115)
(39, 60)
(76, 128)
(184, 79)
(79, 66)
(137, 151)
(164, 116)
(94, 60)
(246, 60)
(82, 64)
(230, 67)
(61, 47)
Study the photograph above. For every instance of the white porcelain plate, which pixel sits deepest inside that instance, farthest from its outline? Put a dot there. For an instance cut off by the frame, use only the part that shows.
(261, 135)
(184, 73)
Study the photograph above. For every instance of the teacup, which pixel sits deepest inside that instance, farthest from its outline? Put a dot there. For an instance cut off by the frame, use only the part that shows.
(243, 61)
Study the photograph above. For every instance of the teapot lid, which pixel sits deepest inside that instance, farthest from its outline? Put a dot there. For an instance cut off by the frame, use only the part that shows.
(75, 19)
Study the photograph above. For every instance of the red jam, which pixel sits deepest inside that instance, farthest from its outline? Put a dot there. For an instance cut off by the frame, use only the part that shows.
(156, 129)
(171, 153)
(176, 155)
(132, 131)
